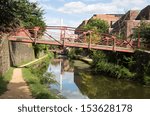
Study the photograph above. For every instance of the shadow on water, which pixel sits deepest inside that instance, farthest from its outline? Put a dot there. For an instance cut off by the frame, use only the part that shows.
(76, 81)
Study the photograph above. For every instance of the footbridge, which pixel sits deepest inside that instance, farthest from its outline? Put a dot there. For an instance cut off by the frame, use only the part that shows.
(71, 37)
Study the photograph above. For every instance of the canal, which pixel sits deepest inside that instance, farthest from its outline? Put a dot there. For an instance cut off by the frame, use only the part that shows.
(74, 80)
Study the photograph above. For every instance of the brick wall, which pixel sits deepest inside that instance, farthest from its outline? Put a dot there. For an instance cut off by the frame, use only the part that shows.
(106, 17)
(131, 24)
(110, 18)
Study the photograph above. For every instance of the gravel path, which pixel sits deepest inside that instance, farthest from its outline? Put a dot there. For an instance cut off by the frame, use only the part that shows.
(17, 87)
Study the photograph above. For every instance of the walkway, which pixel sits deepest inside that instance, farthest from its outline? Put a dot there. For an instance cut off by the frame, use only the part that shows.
(17, 87)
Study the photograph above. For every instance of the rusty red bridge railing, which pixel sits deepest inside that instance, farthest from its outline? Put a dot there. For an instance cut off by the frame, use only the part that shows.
(72, 37)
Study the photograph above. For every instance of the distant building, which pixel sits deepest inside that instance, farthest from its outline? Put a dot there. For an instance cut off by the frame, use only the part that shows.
(144, 14)
(120, 24)
(128, 22)
(110, 18)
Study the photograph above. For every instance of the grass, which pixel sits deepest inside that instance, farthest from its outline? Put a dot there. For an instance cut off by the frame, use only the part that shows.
(4, 80)
(39, 91)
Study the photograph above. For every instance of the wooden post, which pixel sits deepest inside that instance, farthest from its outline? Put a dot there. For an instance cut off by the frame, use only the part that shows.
(84, 37)
(90, 41)
(139, 39)
(106, 41)
(36, 29)
(64, 38)
(114, 43)
(61, 33)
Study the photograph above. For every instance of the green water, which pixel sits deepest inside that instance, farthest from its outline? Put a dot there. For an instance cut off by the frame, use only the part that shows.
(76, 81)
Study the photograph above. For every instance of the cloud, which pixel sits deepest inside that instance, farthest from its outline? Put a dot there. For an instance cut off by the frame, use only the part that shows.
(52, 21)
(46, 6)
(116, 6)
(57, 21)
(89, 7)
(72, 7)
(39, 0)
(80, 7)
(75, 11)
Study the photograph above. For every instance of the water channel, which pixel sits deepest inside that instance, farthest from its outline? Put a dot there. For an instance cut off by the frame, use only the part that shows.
(76, 81)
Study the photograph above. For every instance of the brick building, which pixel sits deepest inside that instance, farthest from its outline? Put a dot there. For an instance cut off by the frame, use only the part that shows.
(126, 24)
(120, 24)
(110, 18)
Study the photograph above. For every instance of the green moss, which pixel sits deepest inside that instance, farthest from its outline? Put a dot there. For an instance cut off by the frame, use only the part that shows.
(4, 80)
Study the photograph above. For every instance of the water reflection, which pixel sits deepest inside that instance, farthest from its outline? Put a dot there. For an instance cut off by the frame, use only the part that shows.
(99, 87)
(64, 72)
(75, 81)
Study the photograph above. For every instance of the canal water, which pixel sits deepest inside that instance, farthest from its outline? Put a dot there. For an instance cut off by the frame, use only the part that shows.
(74, 80)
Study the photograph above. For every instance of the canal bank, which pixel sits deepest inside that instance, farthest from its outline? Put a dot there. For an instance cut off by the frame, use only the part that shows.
(127, 66)
(38, 79)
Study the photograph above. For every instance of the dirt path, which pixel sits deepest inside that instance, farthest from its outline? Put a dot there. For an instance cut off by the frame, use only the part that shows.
(17, 87)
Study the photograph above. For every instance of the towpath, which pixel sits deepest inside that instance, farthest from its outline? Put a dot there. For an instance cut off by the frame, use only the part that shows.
(17, 87)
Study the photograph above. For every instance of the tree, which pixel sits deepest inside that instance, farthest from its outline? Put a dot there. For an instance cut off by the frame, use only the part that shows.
(20, 13)
(98, 25)
(144, 31)
(8, 20)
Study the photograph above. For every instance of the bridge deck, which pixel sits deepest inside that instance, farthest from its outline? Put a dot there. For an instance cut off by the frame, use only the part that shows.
(73, 44)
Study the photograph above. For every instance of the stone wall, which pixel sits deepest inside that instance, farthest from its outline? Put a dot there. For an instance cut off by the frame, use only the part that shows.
(14, 54)
(4, 55)
(21, 53)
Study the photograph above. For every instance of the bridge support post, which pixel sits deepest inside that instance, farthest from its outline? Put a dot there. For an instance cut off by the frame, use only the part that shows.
(139, 40)
(90, 41)
(36, 29)
(85, 38)
(61, 34)
(114, 44)
(64, 39)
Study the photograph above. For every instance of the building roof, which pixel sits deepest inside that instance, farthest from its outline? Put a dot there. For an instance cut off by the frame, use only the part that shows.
(144, 14)
(130, 15)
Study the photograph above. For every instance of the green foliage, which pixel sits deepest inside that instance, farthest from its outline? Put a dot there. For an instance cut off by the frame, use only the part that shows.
(50, 55)
(101, 65)
(39, 48)
(20, 13)
(71, 53)
(39, 91)
(77, 53)
(144, 31)
(141, 65)
(98, 25)
(113, 70)
(39, 80)
(4, 80)
(98, 56)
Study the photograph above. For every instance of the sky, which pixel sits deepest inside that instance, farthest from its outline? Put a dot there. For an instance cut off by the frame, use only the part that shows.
(73, 12)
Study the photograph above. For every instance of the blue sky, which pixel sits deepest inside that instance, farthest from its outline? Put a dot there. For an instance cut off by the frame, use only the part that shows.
(73, 12)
